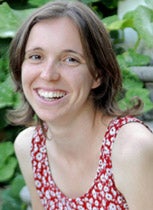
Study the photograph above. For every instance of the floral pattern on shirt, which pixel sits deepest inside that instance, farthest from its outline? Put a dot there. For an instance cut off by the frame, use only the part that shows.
(103, 195)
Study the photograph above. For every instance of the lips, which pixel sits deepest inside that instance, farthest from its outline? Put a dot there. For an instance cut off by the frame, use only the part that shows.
(51, 95)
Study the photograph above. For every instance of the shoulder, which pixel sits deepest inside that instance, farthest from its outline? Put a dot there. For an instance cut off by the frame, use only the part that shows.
(133, 141)
(24, 136)
(132, 159)
(22, 142)
(134, 135)
(25, 133)
(22, 146)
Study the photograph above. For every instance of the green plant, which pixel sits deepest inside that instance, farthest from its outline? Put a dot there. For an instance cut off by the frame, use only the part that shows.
(9, 22)
(12, 14)
(140, 20)
(132, 85)
(103, 7)
(11, 196)
(8, 162)
(12, 186)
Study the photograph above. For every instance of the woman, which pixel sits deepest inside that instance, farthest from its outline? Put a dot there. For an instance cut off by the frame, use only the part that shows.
(83, 152)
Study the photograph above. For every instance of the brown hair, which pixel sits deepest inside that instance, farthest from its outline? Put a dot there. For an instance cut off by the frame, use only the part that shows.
(98, 51)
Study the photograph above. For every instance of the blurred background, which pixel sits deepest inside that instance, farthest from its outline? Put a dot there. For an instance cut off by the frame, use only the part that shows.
(130, 25)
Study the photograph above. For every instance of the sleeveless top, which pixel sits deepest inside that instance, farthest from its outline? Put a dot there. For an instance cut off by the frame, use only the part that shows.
(103, 194)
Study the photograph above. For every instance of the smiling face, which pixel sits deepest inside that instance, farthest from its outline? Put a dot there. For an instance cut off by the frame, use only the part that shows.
(55, 78)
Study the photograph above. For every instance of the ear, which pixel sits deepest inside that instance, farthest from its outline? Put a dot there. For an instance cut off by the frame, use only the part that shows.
(96, 83)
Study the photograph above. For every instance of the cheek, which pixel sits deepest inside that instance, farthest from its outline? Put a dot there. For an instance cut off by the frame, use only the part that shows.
(27, 74)
(24, 70)
(25, 82)
(83, 82)
(27, 78)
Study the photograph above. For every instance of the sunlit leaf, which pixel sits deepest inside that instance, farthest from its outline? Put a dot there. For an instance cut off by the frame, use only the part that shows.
(143, 23)
(38, 3)
(10, 19)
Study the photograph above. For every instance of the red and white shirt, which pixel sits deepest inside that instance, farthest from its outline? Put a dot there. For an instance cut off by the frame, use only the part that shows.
(103, 194)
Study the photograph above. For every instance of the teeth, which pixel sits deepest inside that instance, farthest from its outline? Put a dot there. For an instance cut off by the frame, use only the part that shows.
(51, 95)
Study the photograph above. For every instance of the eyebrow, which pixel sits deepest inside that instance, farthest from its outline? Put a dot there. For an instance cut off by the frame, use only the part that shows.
(33, 49)
(73, 51)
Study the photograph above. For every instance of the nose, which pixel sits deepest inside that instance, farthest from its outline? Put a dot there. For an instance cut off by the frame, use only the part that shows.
(50, 71)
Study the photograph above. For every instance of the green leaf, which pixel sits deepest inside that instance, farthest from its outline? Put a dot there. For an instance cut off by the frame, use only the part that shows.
(132, 58)
(142, 22)
(7, 96)
(8, 162)
(38, 3)
(134, 87)
(6, 150)
(10, 19)
(113, 23)
(10, 196)
(16, 186)
(7, 170)
(89, 1)
(3, 68)
(142, 93)
(131, 80)
(149, 3)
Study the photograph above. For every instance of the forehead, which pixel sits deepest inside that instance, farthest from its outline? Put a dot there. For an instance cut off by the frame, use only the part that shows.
(57, 30)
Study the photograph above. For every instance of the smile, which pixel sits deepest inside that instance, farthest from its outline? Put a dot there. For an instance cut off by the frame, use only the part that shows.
(51, 95)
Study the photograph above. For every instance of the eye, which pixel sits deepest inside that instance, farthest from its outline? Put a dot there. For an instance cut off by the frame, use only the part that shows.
(70, 60)
(33, 57)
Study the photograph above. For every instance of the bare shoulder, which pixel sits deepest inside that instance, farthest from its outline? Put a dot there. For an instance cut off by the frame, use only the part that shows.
(22, 147)
(132, 159)
(134, 142)
(133, 138)
(23, 140)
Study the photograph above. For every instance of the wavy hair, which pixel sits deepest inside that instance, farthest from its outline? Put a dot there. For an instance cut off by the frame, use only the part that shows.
(100, 57)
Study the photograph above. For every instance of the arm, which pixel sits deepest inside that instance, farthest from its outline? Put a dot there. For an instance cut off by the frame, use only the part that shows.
(132, 160)
(22, 149)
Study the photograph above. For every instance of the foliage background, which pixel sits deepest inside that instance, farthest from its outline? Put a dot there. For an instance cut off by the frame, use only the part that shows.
(12, 14)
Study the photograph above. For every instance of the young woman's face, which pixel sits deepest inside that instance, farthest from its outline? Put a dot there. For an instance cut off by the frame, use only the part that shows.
(55, 78)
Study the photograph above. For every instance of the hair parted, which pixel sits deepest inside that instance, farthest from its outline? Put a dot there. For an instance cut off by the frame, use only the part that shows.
(100, 57)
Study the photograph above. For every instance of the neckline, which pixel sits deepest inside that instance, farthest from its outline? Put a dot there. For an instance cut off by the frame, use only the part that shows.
(97, 176)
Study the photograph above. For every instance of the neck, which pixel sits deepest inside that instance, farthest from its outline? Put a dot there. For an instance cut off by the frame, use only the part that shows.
(78, 136)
